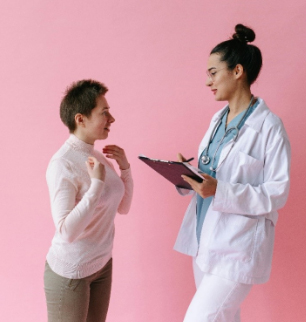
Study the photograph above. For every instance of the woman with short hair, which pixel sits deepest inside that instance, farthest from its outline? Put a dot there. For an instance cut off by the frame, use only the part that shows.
(85, 193)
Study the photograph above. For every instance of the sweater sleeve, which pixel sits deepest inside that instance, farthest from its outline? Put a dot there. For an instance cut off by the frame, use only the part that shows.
(267, 197)
(125, 204)
(70, 219)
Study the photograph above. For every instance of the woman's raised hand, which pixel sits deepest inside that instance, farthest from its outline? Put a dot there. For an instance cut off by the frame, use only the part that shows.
(95, 168)
(118, 154)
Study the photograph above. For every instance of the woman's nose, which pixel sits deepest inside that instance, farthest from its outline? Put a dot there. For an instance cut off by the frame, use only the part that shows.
(208, 81)
(111, 119)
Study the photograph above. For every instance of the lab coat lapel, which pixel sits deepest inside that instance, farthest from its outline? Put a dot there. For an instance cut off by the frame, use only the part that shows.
(255, 121)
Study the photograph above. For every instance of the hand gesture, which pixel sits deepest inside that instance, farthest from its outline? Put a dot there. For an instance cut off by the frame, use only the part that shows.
(95, 168)
(206, 188)
(118, 154)
(180, 158)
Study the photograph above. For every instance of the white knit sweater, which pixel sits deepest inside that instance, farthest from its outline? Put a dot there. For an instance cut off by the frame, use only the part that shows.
(83, 209)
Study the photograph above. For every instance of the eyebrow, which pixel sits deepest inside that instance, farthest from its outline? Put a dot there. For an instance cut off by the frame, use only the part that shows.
(105, 108)
(211, 68)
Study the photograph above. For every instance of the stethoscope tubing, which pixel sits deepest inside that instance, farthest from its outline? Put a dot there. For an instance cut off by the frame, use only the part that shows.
(205, 159)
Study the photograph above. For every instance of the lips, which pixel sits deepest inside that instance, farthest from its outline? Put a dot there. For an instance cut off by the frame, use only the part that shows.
(214, 91)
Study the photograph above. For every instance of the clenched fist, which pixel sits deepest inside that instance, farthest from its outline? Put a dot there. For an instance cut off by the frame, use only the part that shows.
(95, 168)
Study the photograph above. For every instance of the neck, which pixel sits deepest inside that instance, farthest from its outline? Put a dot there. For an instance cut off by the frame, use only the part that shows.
(81, 136)
(239, 102)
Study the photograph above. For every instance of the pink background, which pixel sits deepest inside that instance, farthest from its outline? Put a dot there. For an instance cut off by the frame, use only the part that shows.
(152, 56)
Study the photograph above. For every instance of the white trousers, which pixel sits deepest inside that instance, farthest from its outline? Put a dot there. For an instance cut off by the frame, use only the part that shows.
(216, 299)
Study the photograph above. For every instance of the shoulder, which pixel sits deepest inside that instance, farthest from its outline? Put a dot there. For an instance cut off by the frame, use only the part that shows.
(273, 122)
(273, 129)
(61, 162)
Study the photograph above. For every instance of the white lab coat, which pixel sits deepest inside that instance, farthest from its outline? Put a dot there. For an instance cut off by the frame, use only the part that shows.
(253, 183)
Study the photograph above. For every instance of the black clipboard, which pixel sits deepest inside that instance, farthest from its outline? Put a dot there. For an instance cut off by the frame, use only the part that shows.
(172, 171)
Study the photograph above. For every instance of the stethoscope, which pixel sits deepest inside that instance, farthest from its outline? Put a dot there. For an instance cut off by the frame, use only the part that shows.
(205, 159)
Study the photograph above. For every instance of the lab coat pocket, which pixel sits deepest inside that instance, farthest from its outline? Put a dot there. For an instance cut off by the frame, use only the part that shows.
(234, 237)
(249, 169)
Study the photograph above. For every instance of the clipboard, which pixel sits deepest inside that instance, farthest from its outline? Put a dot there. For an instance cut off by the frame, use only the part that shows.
(172, 171)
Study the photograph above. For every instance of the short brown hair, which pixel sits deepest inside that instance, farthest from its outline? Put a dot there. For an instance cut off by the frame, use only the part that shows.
(80, 97)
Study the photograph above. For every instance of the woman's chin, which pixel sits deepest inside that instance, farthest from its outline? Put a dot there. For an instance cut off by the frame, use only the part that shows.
(104, 136)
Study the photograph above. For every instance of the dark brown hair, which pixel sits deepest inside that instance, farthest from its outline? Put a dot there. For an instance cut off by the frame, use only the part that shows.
(238, 51)
(80, 97)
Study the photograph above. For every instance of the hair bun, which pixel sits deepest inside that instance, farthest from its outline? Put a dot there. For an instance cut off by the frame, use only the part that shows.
(244, 34)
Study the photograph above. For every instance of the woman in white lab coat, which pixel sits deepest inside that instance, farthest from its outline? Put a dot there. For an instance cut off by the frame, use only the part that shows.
(229, 225)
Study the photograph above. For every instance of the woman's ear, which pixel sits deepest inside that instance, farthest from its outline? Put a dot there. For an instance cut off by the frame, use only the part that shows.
(238, 71)
(79, 120)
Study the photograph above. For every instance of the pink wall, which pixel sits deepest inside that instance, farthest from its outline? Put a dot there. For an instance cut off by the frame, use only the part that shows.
(152, 55)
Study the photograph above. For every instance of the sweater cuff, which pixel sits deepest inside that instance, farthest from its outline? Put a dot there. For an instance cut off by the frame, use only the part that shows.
(125, 173)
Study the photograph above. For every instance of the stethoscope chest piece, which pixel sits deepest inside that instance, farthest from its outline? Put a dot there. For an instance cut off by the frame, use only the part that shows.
(205, 159)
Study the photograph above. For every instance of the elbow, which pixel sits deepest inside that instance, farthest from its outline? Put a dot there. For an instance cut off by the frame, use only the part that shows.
(66, 236)
(123, 211)
(277, 197)
(124, 207)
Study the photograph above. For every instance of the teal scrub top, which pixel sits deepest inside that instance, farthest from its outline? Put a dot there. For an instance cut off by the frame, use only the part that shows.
(203, 204)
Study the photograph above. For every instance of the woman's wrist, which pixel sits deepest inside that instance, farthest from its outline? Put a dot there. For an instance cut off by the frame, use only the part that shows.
(126, 167)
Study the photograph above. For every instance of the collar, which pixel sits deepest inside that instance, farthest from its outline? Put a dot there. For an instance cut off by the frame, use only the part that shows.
(255, 120)
(79, 145)
(219, 114)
